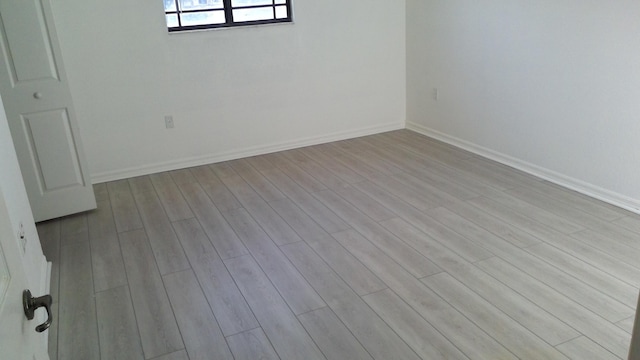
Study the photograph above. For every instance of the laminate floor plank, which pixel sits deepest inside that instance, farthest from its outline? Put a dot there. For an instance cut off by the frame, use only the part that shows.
(215, 226)
(350, 269)
(260, 162)
(534, 318)
(217, 191)
(182, 176)
(319, 252)
(166, 248)
(356, 153)
(473, 341)
(178, 355)
(592, 255)
(399, 171)
(224, 297)
(631, 223)
(100, 221)
(223, 169)
(78, 328)
(277, 229)
(462, 246)
(364, 203)
(124, 208)
(172, 200)
(200, 332)
(465, 179)
(363, 170)
(510, 233)
(293, 288)
(159, 332)
(73, 229)
(240, 189)
(619, 250)
(360, 200)
(293, 171)
(584, 348)
(341, 171)
(518, 339)
(107, 262)
(373, 333)
(262, 186)
(313, 168)
(540, 215)
(599, 302)
(596, 278)
(423, 338)
(332, 337)
(413, 262)
(613, 231)
(288, 337)
(602, 332)
(251, 345)
(101, 192)
(367, 205)
(627, 324)
(558, 207)
(117, 326)
(310, 205)
(420, 171)
(140, 184)
(579, 201)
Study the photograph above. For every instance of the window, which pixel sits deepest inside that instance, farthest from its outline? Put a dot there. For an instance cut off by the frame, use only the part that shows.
(206, 14)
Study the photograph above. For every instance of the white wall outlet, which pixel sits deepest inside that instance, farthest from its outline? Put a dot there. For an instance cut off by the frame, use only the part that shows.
(168, 121)
(435, 94)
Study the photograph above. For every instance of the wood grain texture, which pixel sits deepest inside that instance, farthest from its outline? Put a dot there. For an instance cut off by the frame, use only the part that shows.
(583, 348)
(321, 252)
(124, 207)
(199, 329)
(78, 329)
(166, 247)
(293, 288)
(423, 338)
(333, 338)
(518, 339)
(251, 345)
(218, 230)
(229, 307)
(117, 325)
(366, 326)
(285, 332)
(361, 280)
(158, 330)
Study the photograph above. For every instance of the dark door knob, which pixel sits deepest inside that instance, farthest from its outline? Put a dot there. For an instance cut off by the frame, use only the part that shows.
(31, 304)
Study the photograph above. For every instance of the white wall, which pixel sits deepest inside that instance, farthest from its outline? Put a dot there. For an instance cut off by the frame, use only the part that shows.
(551, 86)
(338, 71)
(15, 196)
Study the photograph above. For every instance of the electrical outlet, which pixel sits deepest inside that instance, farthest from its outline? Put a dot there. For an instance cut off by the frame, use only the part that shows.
(435, 94)
(168, 122)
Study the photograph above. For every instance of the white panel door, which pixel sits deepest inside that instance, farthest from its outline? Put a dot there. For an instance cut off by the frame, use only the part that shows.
(38, 103)
(18, 338)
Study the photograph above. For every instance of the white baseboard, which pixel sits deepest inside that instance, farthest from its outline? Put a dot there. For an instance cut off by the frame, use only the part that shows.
(580, 186)
(240, 153)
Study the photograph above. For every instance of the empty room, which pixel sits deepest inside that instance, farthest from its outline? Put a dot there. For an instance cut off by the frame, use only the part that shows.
(298, 179)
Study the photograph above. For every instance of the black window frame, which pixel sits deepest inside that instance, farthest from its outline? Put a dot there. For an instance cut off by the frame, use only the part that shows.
(228, 12)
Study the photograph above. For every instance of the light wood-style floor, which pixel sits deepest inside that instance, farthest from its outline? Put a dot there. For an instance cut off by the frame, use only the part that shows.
(393, 246)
